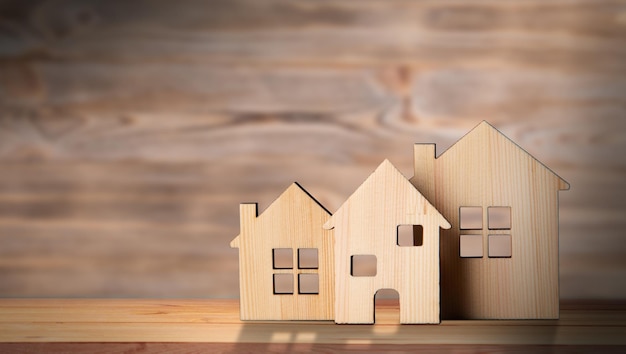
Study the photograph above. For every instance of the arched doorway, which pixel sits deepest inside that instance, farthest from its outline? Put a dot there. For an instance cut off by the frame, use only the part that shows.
(386, 306)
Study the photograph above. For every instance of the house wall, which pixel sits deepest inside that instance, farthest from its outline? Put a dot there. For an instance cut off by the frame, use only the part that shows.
(485, 169)
(412, 271)
(294, 221)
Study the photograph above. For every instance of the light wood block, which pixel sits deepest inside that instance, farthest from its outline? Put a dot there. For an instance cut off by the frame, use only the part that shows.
(514, 277)
(286, 260)
(366, 225)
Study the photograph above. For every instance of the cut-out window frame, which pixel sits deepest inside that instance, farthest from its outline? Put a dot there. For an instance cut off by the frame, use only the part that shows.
(472, 242)
(280, 255)
(493, 219)
(500, 246)
(468, 221)
(416, 235)
(304, 258)
(277, 282)
(302, 281)
(277, 258)
(365, 258)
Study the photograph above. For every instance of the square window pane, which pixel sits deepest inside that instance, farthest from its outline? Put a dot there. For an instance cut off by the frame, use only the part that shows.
(499, 218)
(308, 284)
(282, 258)
(471, 218)
(307, 258)
(283, 283)
(363, 265)
(500, 246)
(410, 235)
(471, 246)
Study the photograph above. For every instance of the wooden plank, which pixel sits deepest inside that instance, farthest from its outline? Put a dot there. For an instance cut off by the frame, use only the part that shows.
(217, 321)
(326, 31)
(595, 313)
(86, 104)
(166, 215)
(97, 348)
(306, 333)
(158, 88)
(561, 135)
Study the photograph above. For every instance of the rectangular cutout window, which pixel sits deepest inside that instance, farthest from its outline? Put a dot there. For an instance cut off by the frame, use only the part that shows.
(308, 284)
(471, 246)
(471, 218)
(363, 265)
(282, 258)
(283, 283)
(308, 258)
(410, 235)
(499, 218)
(499, 246)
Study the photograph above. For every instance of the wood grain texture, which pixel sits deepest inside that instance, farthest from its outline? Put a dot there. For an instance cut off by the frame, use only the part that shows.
(481, 171)
(131, 132)
(160, 348)
(216, 321)
(292, 222)
(367, 224)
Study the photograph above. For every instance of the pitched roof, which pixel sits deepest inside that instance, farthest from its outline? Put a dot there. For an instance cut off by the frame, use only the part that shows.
(484, 130)
(384, 172)
(294, 191)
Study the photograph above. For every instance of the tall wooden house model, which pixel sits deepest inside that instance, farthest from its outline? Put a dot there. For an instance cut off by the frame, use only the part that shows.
(496, 256)
(500, 259)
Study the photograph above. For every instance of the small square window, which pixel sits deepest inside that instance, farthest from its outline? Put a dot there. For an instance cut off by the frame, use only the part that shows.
(499, 218)
(307, 258)
(282, 258)
(283, 283)
(308, 284)
(410, 235)
(471, 218)
(471, 246)
(363, 265)
(500, 246)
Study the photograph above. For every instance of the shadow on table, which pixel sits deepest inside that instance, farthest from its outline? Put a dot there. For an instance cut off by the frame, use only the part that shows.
(326, 337)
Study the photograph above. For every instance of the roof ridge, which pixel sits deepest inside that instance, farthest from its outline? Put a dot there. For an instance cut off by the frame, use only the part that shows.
(485, 123)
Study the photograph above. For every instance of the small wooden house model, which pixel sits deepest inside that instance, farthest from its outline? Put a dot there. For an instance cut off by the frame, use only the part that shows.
(366, 231)
(286, 268)
(500, 258)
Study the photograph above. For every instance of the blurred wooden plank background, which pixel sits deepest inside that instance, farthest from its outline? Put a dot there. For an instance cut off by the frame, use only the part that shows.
(130, 131)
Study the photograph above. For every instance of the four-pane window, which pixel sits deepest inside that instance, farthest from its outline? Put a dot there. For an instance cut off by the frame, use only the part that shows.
(308, 258)
(499, 236)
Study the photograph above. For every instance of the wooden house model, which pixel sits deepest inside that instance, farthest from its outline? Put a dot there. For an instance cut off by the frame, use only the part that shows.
(366, 230)
(499, 260)
(286, 269)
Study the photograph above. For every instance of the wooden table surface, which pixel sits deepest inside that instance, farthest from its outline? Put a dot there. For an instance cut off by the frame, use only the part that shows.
(163, 325)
